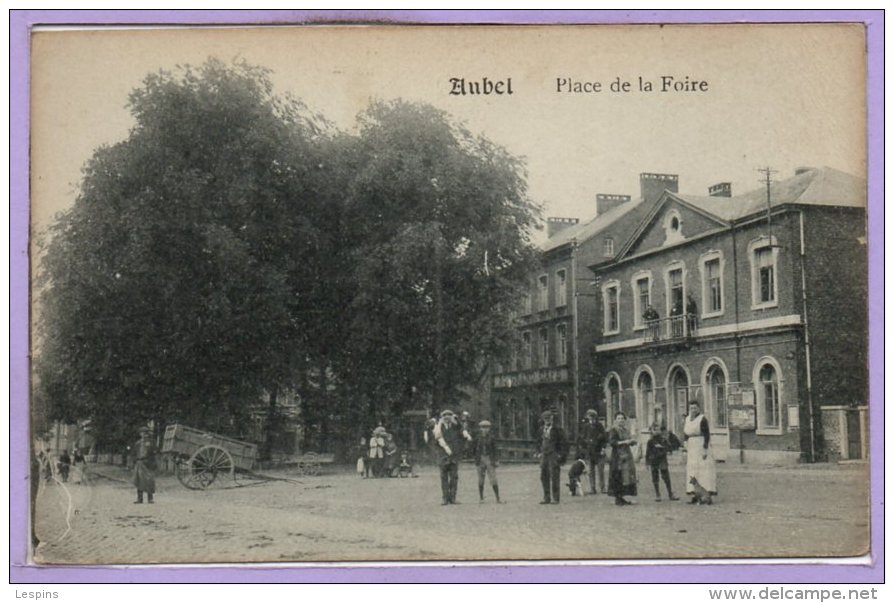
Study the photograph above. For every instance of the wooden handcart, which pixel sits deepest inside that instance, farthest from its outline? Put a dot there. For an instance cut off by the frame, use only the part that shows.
(202, 458)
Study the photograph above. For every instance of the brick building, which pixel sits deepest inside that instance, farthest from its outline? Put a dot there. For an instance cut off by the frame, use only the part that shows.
(547, 371)
(756, 305)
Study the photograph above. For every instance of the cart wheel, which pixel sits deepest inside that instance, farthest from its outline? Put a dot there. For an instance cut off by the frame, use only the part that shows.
(204, 467)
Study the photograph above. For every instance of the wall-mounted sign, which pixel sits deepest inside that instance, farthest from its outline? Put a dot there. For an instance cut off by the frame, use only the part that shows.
(742, 417)
(794, 420)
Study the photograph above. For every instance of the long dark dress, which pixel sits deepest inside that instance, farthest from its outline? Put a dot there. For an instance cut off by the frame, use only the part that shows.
(144, 467)
(622, 469)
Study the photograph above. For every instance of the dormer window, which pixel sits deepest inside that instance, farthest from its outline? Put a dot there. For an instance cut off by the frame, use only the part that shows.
(608, 247)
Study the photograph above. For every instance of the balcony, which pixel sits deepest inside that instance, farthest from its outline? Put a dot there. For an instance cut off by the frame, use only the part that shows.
(673, 329)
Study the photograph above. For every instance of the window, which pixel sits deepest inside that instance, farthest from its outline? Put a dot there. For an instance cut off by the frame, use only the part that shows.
(610, 293)
(506, 418)
(608, 247)
(768, 395)
(612, 396)
(526, 350)
(678, 405)
(561, 344)
(766, 279)
(645, 393)
(713, 291)
(527, 304)
(543, 293)
(561, 289)
(715, 396)
(673, 227)
(642, 297)
(544, 347)
(675, 279)
(764, 255)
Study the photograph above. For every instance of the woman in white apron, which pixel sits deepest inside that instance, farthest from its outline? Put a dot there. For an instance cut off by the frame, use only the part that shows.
(701, 473)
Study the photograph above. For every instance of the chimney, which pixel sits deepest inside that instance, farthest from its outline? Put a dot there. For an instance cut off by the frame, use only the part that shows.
(556, 225)
(652, 185)
(721, 189)
(606, 202)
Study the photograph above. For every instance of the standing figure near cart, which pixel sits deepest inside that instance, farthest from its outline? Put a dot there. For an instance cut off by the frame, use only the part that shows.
(591, 446)
(451, 439)
(144, 467)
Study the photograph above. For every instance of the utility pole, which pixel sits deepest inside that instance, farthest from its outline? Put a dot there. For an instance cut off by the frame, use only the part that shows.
(768, 180)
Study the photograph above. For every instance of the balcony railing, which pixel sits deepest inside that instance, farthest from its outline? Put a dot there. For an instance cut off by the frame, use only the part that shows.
(670, 329)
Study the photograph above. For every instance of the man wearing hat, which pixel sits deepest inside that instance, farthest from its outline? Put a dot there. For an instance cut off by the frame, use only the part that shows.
(450, 437)
(144, 466)
(377, 451)
(484, 451)
(591, 444)
(553, 451)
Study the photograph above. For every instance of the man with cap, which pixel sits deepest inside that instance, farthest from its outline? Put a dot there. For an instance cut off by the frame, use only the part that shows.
(144, 466)
(450, 437)
(553, 451)
(591, 444)
(484, 451)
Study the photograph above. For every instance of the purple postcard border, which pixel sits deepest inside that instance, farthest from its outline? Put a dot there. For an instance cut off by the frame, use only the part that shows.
(21, 22)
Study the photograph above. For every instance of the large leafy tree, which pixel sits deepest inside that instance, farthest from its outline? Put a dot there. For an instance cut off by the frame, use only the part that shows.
(185, 279)
(438, 222)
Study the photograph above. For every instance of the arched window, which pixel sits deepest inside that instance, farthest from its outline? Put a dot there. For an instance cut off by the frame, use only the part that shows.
(678, 399)
(645, 394)
(613, 395)
(715, 396)
(767, 390)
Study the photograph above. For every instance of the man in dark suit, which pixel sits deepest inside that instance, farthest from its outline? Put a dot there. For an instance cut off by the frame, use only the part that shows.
(553, 452)
(450, 437)
(591, 444)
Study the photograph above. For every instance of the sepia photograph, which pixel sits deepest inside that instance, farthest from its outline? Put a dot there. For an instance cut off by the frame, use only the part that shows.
(417, 293)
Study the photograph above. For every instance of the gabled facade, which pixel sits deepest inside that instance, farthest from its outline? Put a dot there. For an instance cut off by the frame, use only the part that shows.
(749, 306)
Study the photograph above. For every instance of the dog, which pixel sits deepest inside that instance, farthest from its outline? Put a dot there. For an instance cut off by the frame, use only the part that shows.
(577, 469)
(700, 495)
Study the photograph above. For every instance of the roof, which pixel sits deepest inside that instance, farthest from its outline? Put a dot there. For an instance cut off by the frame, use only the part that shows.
(583, 231)
(814, 186)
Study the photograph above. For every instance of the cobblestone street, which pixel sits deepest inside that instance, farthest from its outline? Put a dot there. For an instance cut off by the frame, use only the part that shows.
(798, 511)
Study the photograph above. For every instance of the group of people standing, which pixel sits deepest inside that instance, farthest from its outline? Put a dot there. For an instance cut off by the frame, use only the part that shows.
(701, 476)
(66, 466)
(380, 456)
(448, 437)
(596, 447)
(451, 438)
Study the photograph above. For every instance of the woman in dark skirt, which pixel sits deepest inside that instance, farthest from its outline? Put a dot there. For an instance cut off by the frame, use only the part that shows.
(622, 469)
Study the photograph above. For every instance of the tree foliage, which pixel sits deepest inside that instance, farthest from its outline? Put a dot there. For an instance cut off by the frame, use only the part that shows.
(440, 221)
(178, 283)
(235, 244)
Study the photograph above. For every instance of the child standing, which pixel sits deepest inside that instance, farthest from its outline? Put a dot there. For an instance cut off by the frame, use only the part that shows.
(484, 450)
(658, 447)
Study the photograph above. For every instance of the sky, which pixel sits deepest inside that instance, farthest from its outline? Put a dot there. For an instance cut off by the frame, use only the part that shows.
(782, 96)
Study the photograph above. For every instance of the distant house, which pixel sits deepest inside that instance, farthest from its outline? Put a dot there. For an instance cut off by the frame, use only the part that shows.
(761, 312)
